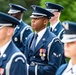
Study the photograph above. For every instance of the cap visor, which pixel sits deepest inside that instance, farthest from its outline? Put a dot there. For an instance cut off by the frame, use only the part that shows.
(3, 25)
(32, 16)
(68, 38)
(13, 11)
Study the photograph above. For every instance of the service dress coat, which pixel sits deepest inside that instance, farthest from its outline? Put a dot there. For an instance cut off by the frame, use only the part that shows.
(58, 30)
(13, 62)
(20, 36)
(47, 56)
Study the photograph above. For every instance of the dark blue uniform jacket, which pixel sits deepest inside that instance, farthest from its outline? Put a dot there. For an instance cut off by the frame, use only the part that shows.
(47, 56)
(13, 62)
(21, 34)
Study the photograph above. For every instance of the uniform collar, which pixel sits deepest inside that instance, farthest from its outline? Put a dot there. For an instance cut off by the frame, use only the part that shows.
(71, 66)
(53, 26)
(41, 33)
(2, 50)
(20, 20)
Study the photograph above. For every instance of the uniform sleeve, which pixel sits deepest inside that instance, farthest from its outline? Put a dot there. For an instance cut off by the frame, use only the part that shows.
(26, 52)
(27, 31)
(54, 56)
(18, 66)
(23, 37)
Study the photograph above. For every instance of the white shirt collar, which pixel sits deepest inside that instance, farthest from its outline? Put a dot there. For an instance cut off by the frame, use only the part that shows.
(69, 68)
(40, 35)
(20, 20)
(2, 50)
(74, 69)
(53, 26)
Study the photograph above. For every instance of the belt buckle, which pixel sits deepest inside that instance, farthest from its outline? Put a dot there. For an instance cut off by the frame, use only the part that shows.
(32, 64)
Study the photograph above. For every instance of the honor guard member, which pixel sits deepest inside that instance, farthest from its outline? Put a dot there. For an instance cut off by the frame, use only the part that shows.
(12, 61)
(69, 39)
(55, 24)
(22, 30)
(43, 49)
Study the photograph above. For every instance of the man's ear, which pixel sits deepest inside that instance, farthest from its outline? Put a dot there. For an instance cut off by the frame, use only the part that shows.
(10, 31)
(46, 21)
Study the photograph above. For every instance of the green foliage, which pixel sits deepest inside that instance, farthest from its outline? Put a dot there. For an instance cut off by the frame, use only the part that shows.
(69, 8)
(4, 7)
(67, 14)
(67, 59)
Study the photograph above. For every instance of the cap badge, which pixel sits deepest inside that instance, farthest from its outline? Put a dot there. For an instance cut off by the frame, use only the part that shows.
(34, 7)
(46, 4)
(66, 25)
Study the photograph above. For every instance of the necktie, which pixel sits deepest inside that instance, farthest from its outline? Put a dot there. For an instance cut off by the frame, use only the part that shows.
(51, 29)
(71, 71)
(0, 53)
(34, 42)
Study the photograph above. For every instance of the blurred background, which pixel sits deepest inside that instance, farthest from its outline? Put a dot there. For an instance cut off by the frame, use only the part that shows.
(69, 12)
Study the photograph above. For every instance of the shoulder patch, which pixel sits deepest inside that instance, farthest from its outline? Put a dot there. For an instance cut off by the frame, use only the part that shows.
(57, 55)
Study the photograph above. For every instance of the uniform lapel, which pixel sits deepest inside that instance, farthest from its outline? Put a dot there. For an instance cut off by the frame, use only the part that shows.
(30, 39)
(61, 69)
(56, 28)
(42, 41)
(17, 29)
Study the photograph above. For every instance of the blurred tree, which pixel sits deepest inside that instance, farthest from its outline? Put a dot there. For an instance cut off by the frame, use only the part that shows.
(4, 7)
(69, 12)
(69, 8)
